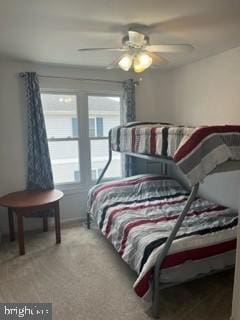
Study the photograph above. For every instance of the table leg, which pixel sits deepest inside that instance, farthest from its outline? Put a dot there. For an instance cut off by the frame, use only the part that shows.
(11, 225)
(20, 234)
(45, 224)
(57, 223)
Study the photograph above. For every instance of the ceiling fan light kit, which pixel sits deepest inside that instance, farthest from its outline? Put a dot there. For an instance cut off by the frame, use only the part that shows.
(140, 62)
(139, 54)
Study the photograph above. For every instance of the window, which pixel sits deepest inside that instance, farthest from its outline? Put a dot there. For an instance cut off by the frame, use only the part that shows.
(92, 127)
(104, 113)
(95, 127)
(99, 125)
(96, 173)
(75, 132)
(60, 112)
(77, 175)
(77, 128)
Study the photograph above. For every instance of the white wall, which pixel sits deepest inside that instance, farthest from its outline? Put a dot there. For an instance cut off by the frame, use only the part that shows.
(207, 92)
(13, 129)
(153, 99)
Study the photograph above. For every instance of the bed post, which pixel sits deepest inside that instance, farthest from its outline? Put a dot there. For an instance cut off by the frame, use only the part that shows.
(102, 174)
(155, 308)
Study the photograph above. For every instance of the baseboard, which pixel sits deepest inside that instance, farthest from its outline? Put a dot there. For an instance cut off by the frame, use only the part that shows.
(67, 222)
(72, 220)
(38, 226)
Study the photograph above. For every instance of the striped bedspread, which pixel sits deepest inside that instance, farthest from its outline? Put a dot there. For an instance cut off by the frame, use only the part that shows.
(137, 215)
(196, 151)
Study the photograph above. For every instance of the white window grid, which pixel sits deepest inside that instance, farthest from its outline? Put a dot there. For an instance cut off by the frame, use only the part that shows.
(84, 140)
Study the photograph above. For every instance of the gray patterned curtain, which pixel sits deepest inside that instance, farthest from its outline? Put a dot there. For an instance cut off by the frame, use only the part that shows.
(129, 115)
(39, 171)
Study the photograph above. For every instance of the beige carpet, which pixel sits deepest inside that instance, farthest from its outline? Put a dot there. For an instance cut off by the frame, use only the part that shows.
(85, 279)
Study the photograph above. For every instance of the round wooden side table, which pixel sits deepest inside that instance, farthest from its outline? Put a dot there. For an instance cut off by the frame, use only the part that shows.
(25, 203)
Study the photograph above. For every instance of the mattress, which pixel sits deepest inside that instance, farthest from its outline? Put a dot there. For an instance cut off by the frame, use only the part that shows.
(195, 150)
(137, 214)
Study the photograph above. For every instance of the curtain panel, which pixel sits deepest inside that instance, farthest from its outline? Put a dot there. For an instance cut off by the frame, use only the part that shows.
(129, 115)
(39, 171)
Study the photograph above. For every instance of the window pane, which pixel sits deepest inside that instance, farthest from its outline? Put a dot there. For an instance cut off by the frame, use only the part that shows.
(60, 113)
(91, 124)
(106, 112)
(75, 127)
(94, 174)
(99, 158)
(77, 176)
(99, 124)
(65, 161)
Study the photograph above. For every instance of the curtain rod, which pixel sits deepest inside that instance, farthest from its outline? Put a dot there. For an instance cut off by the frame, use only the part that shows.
(81, 79)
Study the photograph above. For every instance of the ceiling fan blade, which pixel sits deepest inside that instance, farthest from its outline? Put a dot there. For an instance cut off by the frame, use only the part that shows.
(157, 59)
(170, 48)
(101, 49)
(135, 37)
(114, 64)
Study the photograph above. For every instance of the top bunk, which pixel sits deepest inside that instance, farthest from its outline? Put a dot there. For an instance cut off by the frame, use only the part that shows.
(196, 151)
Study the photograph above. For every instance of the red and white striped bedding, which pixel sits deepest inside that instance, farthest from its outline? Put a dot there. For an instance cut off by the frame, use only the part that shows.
(196, 151)
(137, 214)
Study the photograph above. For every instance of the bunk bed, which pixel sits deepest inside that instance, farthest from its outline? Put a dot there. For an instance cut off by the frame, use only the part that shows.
(206, 229)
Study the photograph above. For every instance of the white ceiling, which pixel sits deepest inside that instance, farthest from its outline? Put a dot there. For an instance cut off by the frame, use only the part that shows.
(51, 31)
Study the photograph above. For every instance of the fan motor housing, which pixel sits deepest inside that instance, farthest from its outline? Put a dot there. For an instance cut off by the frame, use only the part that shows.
(127, 43)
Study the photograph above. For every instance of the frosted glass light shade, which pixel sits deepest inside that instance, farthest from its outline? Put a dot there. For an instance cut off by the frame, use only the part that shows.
(141, 62)
(145, 60)
(125, 62)
(137, 67)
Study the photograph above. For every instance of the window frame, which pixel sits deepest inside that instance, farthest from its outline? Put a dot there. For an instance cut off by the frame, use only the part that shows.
(84, 141)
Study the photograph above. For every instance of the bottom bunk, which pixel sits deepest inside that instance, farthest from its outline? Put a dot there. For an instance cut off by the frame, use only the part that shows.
(137, 215)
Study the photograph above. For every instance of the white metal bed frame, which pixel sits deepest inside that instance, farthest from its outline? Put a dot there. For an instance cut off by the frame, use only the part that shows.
(224, 167)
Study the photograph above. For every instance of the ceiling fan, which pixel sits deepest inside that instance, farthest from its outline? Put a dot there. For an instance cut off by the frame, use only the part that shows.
(139, 54)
